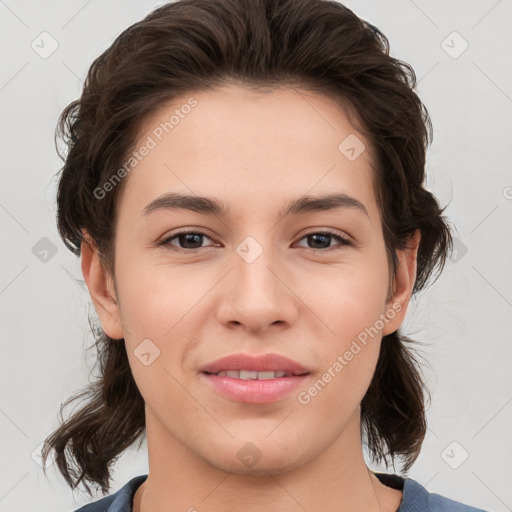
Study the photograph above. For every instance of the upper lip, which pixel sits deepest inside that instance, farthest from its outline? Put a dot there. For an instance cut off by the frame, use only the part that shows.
(262, 363)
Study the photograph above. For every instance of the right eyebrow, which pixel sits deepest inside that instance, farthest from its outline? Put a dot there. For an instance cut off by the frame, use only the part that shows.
(173, 201)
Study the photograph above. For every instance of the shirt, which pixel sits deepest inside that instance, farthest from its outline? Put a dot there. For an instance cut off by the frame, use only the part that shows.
(415, 497)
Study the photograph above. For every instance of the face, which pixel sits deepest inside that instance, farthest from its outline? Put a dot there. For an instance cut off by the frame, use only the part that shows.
(310, 284)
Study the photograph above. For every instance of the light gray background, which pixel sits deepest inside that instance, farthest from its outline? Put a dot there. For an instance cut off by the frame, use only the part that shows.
(465, 317)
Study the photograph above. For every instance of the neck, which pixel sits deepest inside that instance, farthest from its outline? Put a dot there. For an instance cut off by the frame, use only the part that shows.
(180, 480)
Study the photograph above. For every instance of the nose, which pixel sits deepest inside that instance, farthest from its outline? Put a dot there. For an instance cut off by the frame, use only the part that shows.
(257, 294)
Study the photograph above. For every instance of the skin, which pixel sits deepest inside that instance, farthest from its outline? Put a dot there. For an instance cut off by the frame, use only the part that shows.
(255, 152)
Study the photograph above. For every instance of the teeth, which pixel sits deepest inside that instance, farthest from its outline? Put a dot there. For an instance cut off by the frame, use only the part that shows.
(251, 375)
(247, 375)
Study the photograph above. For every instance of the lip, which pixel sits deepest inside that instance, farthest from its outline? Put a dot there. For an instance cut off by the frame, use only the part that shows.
(263, 363)
(255, 391)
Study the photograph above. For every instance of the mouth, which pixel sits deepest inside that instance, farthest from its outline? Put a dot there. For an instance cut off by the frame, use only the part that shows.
(252, 367)
(250, 379)
(254, 375)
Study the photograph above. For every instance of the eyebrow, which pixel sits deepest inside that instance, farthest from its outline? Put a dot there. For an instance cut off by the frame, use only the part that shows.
(210, 206)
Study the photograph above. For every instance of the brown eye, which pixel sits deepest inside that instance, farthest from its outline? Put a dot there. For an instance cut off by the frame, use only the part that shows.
(321, 240)
(189, 241)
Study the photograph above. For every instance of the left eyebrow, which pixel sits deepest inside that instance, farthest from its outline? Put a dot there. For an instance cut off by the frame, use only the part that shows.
(323, 203)
(211, 206)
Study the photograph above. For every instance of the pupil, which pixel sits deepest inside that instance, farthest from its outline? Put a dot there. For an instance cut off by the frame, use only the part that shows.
(321, 236)
(184, 239)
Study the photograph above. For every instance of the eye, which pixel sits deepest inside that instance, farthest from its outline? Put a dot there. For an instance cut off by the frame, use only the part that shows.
(325, 237)
(192, 240)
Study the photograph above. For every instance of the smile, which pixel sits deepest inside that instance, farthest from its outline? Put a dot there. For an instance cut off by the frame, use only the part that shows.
(252, 375)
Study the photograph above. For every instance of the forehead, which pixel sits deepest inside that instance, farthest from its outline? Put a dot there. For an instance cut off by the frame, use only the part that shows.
(249, 149)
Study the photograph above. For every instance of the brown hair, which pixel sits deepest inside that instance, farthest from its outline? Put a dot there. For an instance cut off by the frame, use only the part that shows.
(194, 45)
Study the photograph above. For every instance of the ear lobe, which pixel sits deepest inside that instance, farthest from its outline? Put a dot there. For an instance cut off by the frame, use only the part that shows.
(100, 285)
(403, 282)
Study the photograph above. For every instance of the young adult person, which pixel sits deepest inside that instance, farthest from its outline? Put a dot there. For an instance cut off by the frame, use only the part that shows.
(245, 185)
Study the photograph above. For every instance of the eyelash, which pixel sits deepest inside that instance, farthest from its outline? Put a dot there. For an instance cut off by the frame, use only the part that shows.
(342, 241)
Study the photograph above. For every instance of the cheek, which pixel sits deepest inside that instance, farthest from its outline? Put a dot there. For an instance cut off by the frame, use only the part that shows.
(350, 348)
(349, 299)
(337, 393)
(155, 296)
(350, 305)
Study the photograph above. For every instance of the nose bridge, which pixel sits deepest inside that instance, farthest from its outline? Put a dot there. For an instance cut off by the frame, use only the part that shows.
(258, 295)
(255, 259)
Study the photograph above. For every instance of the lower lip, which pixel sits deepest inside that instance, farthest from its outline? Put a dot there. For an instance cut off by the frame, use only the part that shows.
(255, 391)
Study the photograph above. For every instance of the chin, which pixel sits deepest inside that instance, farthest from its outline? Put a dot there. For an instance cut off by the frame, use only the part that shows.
(258, 457)
(263, 467)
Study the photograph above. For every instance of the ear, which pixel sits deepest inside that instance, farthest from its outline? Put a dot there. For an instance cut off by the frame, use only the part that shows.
(403, 283)
(100, 285)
